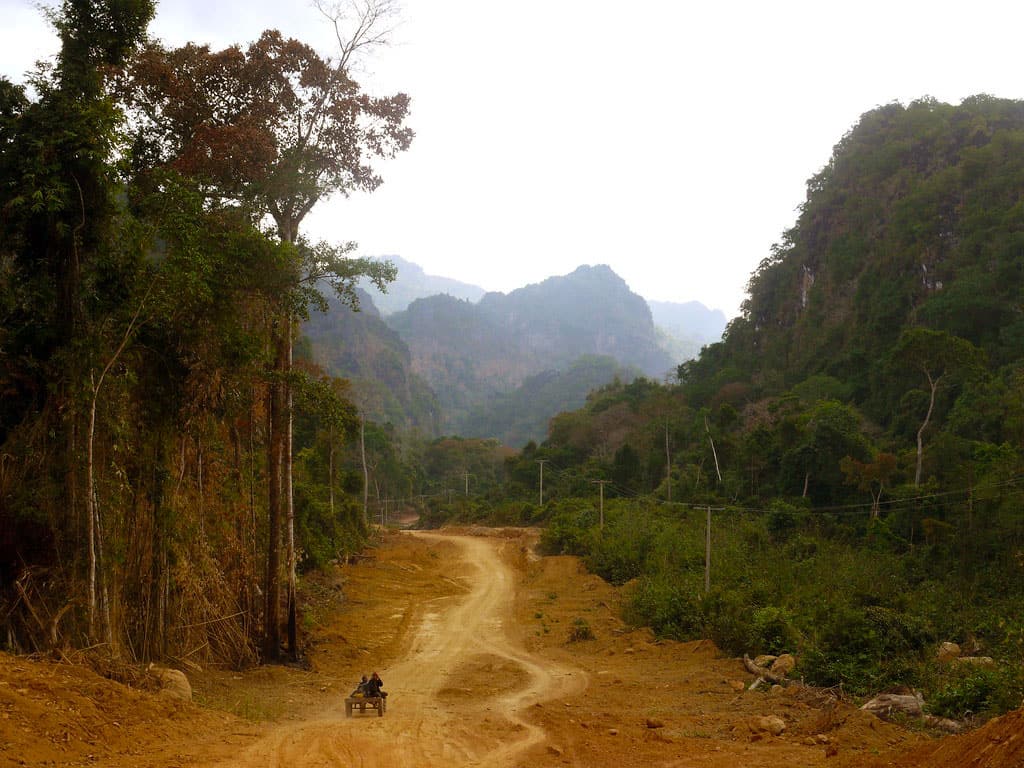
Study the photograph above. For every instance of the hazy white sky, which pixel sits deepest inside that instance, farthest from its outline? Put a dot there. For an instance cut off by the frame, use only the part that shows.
(668, 139)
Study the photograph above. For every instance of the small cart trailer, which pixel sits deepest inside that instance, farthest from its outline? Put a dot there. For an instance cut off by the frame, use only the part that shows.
(362, 703)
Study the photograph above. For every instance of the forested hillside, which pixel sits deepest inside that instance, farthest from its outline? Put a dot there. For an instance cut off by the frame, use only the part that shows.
(524, 414)
(916, 221)
(360, 347)
(854, 444)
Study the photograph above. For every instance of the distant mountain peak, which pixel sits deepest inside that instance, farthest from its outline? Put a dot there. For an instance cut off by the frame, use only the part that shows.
(414, 283)
(689, 321)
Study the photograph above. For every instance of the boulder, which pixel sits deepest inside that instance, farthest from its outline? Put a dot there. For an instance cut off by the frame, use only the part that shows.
(783, 665)
(885, 705)
(172, 682)
(943, 724)
(651, 722)
(766, 724)
(947, 652)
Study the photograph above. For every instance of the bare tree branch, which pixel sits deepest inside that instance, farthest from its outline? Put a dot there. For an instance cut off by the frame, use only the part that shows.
(359, 25)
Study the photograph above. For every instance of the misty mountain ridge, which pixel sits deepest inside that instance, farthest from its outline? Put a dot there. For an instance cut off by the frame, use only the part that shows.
(689, 320)
(413, 283)
(685, 326)
(508, 337)
(462, 361)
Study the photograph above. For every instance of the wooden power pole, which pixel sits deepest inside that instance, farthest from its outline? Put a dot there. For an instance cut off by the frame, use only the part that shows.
(668, 464)
(707, 554)
(601, 484)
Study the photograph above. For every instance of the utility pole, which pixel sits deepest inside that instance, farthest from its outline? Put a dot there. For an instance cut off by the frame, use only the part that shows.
(601, 484)
(707, 554)
(366, 473)
(668, 463)
(541, 462)
(466, 476)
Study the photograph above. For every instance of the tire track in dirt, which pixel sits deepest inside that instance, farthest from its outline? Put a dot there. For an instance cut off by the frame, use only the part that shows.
(486, 729)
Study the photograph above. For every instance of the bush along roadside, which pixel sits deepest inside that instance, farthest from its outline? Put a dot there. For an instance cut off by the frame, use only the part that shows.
(857, 613)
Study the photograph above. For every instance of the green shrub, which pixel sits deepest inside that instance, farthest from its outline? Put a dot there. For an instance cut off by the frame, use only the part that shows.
(898, 631)
(784, 520)
(580, 631)
(727, 621)
(976, 691)
(801, 548)
(617, 558)
(567, 533)
(772, 630)
(856, 673)
(964, 695)
(666, 607)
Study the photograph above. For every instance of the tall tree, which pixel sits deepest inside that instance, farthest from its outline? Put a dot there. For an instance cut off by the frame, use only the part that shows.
(941, 358)
(871, 476)
(274, 128)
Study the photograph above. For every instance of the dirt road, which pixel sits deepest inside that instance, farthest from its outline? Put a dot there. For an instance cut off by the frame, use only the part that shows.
(426, 724)
(480, 644)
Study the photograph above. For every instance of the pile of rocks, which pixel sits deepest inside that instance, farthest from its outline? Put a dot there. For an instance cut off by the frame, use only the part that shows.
(768, 668)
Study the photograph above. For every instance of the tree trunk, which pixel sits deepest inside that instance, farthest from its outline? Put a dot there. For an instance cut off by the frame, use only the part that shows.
(366, 472)
(763, 672)
(330, 469)
(293, 640)
(668, 467)
(91, 514)
(275, 503)
(714, 453)
(199, 486)
(252, 476)
(934, 384)
(153, 647)
(92, 509)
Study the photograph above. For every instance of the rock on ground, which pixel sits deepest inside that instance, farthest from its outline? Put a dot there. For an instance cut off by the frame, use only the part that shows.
(767, 724)
(173, 683)
(885, 705)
